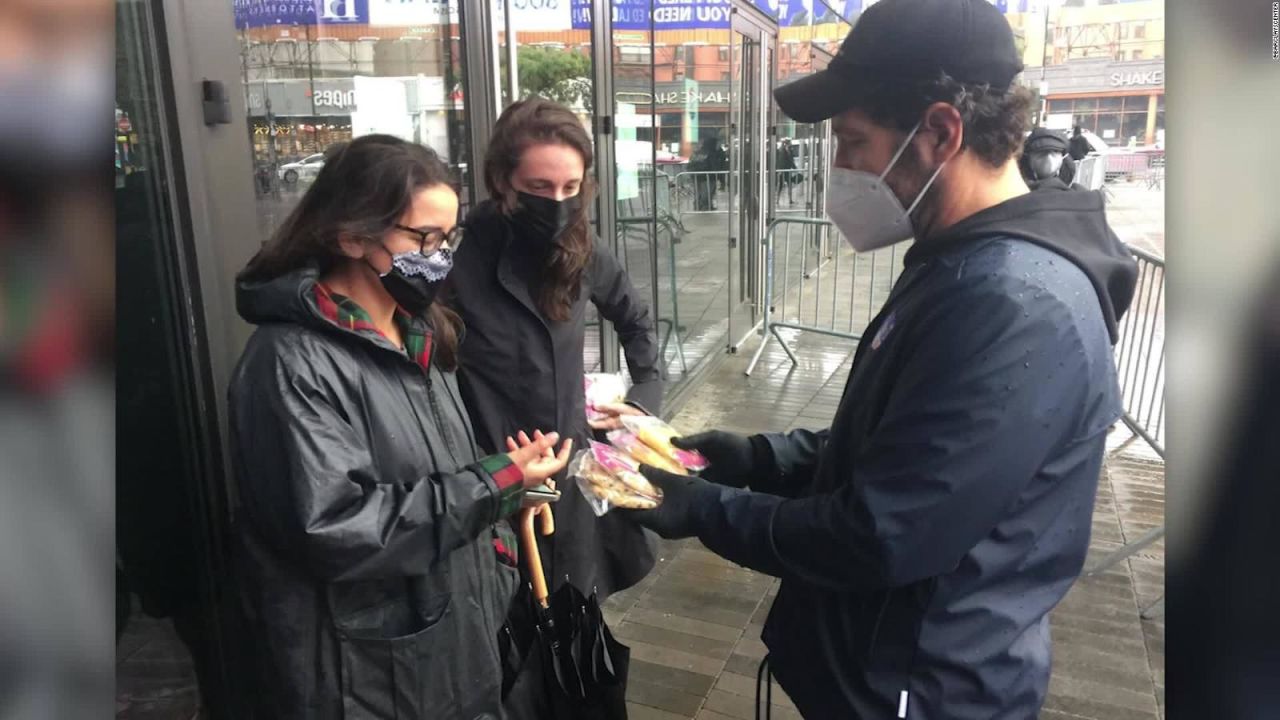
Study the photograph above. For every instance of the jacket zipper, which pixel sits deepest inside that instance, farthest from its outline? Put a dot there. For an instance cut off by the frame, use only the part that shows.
(875, 629)
(436, 410)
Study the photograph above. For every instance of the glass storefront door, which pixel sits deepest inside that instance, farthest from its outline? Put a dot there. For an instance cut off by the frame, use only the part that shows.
(172, 643)
(751, 183)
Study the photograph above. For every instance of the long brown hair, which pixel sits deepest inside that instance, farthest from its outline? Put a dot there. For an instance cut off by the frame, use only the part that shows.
(541, 122)
(363, 189)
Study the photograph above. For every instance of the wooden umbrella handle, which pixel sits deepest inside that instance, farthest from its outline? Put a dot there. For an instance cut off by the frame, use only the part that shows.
(529, 548)
(548, 520)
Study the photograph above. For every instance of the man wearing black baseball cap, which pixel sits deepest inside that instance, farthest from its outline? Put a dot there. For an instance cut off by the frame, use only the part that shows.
(924, 537)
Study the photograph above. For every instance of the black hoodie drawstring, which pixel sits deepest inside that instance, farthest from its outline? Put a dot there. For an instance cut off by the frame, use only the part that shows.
(763, 675)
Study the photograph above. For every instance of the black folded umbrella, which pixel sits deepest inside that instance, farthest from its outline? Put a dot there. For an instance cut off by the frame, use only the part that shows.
(562, 661)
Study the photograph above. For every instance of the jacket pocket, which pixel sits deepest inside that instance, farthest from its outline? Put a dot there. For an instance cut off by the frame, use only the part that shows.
(384, 653)
(896, 617)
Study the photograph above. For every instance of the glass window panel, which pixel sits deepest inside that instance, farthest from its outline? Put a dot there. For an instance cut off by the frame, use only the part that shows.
(1108, 128)
(1136, 103)
(1133, 125)
(1086, 104)
(1111, 103)
(311, 83)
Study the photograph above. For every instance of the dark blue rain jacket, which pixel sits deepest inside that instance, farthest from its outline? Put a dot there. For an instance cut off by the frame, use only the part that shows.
(923, 539)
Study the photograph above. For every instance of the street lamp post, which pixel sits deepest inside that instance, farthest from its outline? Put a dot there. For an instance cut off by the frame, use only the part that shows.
(1044, 67)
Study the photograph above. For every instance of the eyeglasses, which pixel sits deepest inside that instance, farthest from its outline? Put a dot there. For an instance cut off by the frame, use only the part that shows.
(430, 241)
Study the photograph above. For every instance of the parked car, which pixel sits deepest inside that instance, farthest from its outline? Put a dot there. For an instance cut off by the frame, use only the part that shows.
(308, 167)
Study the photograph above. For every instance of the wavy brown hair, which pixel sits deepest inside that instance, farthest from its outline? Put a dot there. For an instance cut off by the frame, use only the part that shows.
(541, 122)
(995, 121)
(364, 188)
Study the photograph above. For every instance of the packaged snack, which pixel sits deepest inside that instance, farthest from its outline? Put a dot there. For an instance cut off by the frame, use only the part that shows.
(657, 434)
(642, 453)
(605, 489)
(603, 389)
(623, 467)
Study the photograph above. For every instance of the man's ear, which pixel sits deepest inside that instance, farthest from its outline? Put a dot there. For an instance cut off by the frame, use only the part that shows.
(943, 129)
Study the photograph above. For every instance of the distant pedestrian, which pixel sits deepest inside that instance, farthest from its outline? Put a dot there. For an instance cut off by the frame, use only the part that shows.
(1079, 147)
(710, 158)
(785, 167)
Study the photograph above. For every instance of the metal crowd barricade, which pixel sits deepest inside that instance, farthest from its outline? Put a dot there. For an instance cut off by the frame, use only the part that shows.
(1140, 368)
(1155, 172)
(1127, 164)
(1091, 172)
(639, 218)
(793, 189)
(835, 293)
(706, 191)
(1140, 353)
(698, 191)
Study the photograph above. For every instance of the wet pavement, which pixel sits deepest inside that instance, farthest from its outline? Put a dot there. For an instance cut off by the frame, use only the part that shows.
(155, 679)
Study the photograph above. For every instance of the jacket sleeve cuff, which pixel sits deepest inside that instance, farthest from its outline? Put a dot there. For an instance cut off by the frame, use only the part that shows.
(508, 483)
(768, 477)
(777, 445)
(646, 396)
(636, 404)
(762, 455)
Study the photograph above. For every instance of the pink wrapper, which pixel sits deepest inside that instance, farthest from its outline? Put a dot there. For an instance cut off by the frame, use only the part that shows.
(613, 459)
(603, 389)
(642, 454)
(657, 434)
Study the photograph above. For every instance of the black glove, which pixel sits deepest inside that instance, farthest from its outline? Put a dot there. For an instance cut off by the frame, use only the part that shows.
(684, 499)
(736, 460)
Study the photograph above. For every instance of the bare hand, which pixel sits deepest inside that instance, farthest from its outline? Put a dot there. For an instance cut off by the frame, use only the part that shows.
(537, 457)
(614, 411)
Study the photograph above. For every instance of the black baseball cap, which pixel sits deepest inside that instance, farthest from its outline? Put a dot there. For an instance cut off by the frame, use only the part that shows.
(907, 40)
(1043, 139)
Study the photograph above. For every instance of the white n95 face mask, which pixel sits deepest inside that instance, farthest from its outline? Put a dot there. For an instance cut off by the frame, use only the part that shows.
(866, 211)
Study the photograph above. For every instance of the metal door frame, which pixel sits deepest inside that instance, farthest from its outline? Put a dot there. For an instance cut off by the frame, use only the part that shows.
(748, 22)
(207, 172)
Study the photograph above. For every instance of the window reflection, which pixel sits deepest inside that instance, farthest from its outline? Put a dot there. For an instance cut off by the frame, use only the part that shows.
(317, 74)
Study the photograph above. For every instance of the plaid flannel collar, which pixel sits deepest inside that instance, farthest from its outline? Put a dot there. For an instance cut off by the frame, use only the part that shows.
(348, 315)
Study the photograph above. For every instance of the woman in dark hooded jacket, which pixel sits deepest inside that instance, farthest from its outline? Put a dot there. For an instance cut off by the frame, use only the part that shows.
(370, 571)
(523, 281)
(1045, 162)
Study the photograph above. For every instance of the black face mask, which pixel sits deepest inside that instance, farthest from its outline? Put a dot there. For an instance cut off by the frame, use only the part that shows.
(543, 220)
(415, 279)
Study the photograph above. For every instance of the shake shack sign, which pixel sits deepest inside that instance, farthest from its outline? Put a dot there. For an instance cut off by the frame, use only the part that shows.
(683, 97)
(1148, 78)
(1101, 75)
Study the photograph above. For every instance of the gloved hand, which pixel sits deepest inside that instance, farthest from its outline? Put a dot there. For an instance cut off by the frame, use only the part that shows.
(736, 460)
(684, 498)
